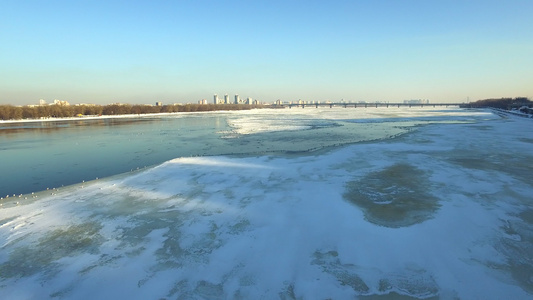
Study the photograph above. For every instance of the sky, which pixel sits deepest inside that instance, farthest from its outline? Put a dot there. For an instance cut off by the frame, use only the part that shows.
(183, 51)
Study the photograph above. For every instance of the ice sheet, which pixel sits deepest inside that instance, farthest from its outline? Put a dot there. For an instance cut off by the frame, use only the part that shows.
(265, 120)
(288, 227)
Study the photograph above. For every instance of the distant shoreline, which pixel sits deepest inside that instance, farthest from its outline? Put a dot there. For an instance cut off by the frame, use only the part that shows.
(51, 119)
(66, 111)
(125, 116)
(142, 115)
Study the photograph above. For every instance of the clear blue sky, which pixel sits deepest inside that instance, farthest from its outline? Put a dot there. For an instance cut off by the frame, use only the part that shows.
(183, 51)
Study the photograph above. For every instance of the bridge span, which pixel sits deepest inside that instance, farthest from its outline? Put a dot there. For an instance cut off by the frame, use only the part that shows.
(365, 105)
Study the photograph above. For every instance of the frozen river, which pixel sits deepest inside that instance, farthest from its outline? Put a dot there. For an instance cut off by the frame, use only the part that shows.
(301, 203)
(36, 156)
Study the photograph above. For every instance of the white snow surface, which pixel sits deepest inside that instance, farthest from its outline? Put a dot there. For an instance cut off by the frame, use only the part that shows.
(263, 120)
(274, 227)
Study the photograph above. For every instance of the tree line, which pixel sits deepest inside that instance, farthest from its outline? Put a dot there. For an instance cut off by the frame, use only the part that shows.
(10, 112)
(502, 103)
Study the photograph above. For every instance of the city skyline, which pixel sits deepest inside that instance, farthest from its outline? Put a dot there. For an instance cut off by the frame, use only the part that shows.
(140, 52)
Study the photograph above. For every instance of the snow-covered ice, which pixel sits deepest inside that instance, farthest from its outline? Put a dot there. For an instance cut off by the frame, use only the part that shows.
(444, 211)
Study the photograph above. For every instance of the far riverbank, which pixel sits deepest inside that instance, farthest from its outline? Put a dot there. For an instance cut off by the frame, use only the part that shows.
(104, 117)
(56, 111)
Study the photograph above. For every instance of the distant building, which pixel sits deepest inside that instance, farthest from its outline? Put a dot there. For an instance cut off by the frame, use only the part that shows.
(59, 102)
(249, 100)
(215, 99)
(42, 102)
(237, 100)
(159, 103)
(203, 101)
(226, 99)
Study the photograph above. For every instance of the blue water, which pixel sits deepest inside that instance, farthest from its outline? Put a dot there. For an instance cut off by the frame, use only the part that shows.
(37, 156)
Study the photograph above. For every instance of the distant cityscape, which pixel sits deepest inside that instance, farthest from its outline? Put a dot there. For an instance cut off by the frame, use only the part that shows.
(246, 101)
(250, 101)
(63, 109)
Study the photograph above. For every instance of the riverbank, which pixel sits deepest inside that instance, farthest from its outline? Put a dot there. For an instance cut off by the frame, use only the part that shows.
(9, 112)
(103, 117)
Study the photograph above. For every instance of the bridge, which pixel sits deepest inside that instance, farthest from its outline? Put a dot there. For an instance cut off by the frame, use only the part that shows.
(365, 105)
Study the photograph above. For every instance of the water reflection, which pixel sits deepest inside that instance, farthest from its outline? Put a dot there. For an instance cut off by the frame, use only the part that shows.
(52, 126)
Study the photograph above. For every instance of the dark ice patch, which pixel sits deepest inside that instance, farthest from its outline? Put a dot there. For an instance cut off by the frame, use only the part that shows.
(70, 241)
(346, 274)
(516, 244)
(394, 197)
